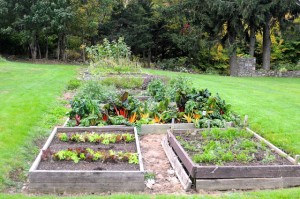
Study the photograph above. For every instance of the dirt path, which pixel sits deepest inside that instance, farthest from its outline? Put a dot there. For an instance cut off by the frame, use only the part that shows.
(155, 161)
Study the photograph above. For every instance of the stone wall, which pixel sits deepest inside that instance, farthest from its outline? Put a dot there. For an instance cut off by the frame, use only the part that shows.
(246, 67)
(273, 73)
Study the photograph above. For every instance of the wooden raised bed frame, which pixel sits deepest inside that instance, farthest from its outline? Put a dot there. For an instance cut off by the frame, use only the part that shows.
(82, 181)
(237, 177)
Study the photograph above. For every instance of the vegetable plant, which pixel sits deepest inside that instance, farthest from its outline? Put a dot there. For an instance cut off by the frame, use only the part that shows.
(86, 154)
(92, 137)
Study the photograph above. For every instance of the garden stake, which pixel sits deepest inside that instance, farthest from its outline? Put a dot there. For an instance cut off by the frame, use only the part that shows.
(172, 125)
(297, 158)
(246, 121)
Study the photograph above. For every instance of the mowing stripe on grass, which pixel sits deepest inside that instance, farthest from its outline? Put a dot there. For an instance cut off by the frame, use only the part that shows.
(28, 91)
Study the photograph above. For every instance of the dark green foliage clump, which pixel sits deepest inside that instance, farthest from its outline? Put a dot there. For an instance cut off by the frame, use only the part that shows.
(157, 89)
(73, 84)
(94, 89)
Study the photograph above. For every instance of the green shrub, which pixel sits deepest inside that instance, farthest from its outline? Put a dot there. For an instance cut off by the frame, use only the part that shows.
(95, 90)
(2, 59)
(287, 67)
(123, 82)
(73, 84)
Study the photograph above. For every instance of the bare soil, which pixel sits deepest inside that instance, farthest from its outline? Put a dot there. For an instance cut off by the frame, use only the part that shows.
(155, 161)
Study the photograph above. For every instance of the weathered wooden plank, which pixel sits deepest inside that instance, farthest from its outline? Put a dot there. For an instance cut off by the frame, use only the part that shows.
(176, 165)
(137, 141)
(193, 130)
(246, 184)
(87, 176)
(95, 129)
(80, 188)
(268, 171)
(183, 156)
(279, 151)
(291, 182)
(142, 98)
(66, 122)
(162, 128)
(46, 145)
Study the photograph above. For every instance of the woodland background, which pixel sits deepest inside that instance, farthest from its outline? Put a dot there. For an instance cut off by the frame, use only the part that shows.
(182, 35)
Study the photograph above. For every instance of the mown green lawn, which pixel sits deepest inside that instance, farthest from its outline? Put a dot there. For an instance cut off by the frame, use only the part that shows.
(29, 106)
(27, 93)
(275, 194)
(273, 104)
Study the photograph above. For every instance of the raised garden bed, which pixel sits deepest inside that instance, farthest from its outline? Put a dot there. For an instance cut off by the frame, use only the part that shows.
(266, 168)
(106, 159)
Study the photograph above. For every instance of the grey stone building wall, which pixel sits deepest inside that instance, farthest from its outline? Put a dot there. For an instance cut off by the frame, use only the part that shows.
(246, 67)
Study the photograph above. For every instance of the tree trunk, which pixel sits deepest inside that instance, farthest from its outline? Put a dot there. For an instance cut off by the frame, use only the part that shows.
(149, 58)
(267, 45)
(252, 40)
(33, 46)
(58, 48)
(47, 48)
(63, 47)
(144, 58)
(233, 57)
(83, 48)
(39, 50)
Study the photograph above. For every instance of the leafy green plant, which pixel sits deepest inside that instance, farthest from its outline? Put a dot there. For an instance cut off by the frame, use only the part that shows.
(73, 84)
(157, 89)
(90, 155)
(149, 176)
(95, 90)
(268, 157)
(104, 138)
(133, 158)
(87, 109)
(243, 157)
(181, 87)
(63, 137)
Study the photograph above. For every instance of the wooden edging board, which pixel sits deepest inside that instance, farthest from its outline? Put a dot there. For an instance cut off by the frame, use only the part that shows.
(227, 172)
(246, 183)
(162, 128)
(82, 181)
(153, 128)
(279, 151)
(176, 165)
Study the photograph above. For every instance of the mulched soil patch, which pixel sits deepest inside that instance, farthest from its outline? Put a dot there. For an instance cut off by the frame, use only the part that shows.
(57, 145)
(155, 161)
(255, 162)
